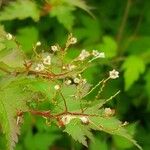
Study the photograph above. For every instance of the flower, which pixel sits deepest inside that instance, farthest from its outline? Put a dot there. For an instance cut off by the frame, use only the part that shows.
(54, 48)
(97, 54)
(57, 87)
(47, 60)
(9, 36)
(73, 40)
(39, 67)
(67, 118)
(84, 81)
(70, 67)
(84, 119)
(68, 82)
(113, 74)
(84, 54)
(38, 43)
(108, 112)
(76, 80)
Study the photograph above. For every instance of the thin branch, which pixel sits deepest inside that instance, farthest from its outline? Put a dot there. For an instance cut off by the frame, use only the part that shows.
(109, 99)
(66, 109)
(94, 88)
(102, 87)
(47, 114)
(124, 21)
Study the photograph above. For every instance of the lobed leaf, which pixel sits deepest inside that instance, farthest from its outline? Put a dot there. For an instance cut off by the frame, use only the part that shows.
(133, 66)
(20, 10)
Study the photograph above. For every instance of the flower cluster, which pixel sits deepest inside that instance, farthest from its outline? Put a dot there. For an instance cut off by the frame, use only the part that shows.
(45, 62)
(95, 53)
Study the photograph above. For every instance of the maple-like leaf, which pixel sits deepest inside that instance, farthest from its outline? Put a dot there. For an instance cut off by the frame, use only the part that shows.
(15, 94)
(20, 10)
(78, 131)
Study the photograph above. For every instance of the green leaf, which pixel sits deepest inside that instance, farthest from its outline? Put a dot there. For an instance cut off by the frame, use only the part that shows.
(15, 93)
(13, 58)
(147, 87)
(98, 144)
(78, 131)
(20, 10)
(81, 4)
(123, 143)
(133, 67)
(112, 126)
(63, 12)
(109, 46)
(23, 38)
(46, 140)
(89, 26)
(12, 98)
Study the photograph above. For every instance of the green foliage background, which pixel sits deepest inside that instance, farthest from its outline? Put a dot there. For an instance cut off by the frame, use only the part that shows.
(120, 28)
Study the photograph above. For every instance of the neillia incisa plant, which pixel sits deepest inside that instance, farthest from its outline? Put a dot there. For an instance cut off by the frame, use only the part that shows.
(48, 77)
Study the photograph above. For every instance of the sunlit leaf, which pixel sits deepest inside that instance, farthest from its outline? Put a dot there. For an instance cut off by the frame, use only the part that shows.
(20, 10)
(133, 66)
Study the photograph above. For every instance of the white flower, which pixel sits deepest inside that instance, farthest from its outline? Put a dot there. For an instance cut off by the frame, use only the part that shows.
(47, 60)
(97, 54)
(54, 48)
(84, 54)
(101, 55)
(84, 119)
(38, 43)
(76, 80)
(39, 67)
(108, 112)
(71, 67)
(9, 36)
(84, 81)
(57, 87)
(73, 40)
(68, 82)
(67, 118)
(113, 74)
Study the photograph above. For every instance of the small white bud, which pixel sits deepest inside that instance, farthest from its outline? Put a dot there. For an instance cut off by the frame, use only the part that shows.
(57, 87)
(64, 67)
(76, 80)
(73, 40)
(71, 67)
(101, 55)
(68, 82)
(47, 60)
(39, 67)
(84, 54)
(97, 54)
(84, 119)
(84, 81)
(109, 112)
(9, 36)
(38, 43)
(54, 48)
(125, 123)
(113, 74)
(67, 118)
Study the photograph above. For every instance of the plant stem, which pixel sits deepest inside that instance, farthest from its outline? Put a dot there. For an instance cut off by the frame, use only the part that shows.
(123, 23)
(66, 109)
